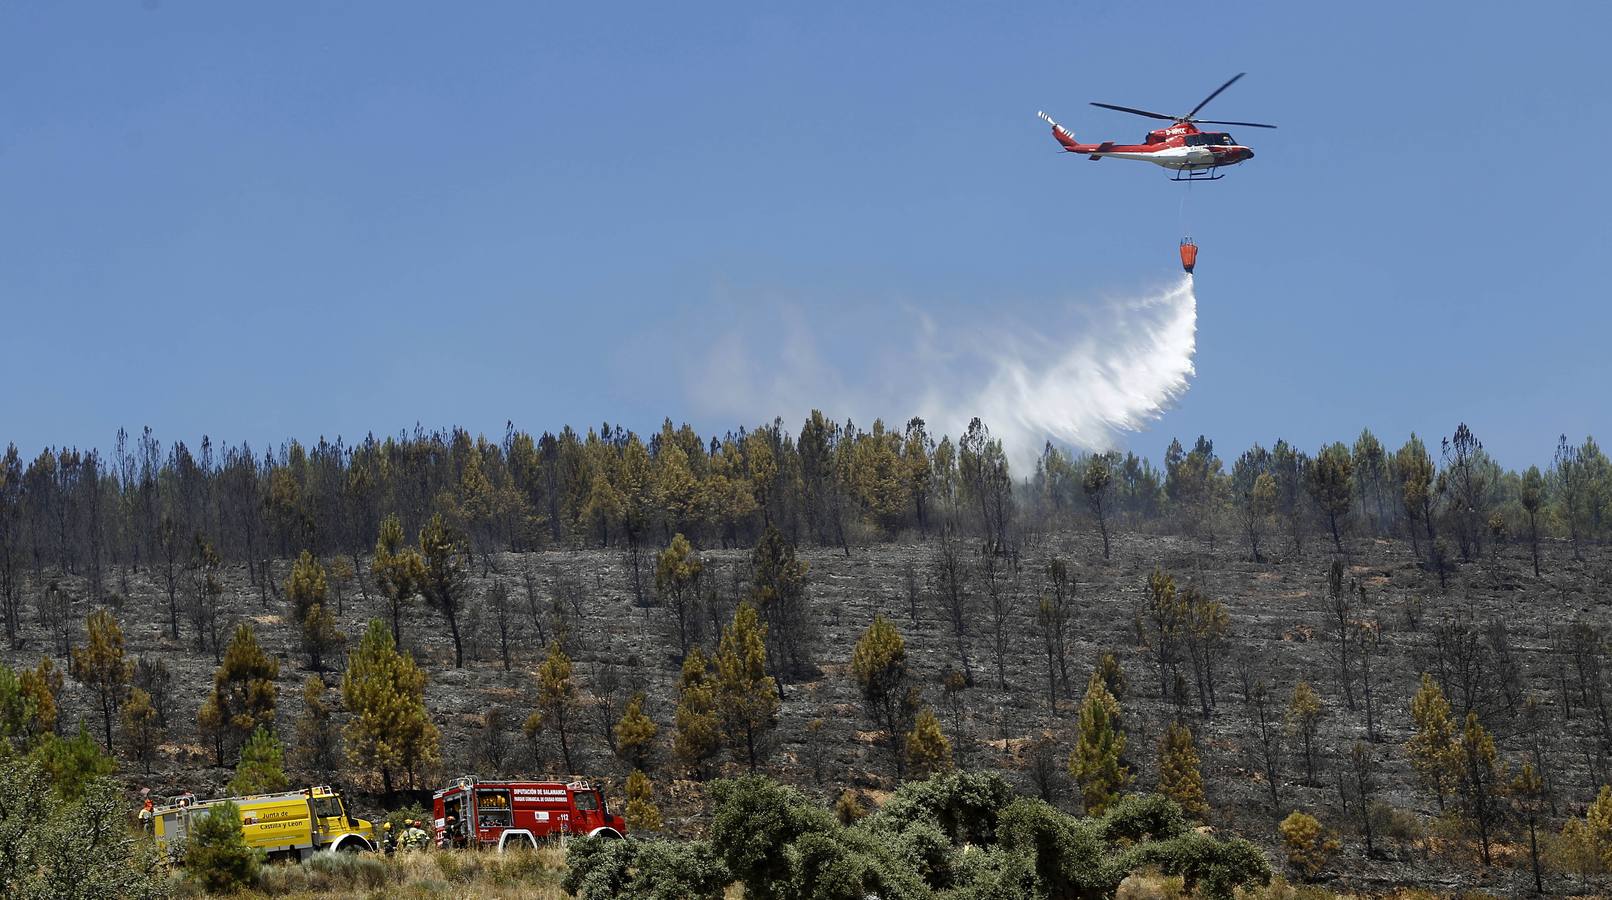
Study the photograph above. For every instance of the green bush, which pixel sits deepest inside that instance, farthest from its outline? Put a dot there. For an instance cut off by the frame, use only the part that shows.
(601, 868)
(71, 764)
(993, 874)
(348, 870)
(83, 848)
(1143, 817)
(1210, 867)
(1066, 853)
(756, 818)
(216, 855)
(963, 805)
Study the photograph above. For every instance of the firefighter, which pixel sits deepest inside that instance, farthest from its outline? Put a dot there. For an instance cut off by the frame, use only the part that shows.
(388, 840)
(414, 838)
(147, 816)
(455, 836)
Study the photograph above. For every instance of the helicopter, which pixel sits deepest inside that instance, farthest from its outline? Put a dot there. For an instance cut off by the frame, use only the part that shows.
(1192, 154)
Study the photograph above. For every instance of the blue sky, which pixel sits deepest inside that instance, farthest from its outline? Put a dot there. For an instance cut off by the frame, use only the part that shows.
(286, 220)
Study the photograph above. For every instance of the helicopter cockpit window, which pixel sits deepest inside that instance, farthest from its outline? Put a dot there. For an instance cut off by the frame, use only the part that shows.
(1226, 140)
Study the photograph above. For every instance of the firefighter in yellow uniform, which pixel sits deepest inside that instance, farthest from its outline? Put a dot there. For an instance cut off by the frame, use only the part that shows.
(414, 838)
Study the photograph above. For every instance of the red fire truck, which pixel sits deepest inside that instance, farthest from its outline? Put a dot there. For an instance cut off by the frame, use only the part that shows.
(520, 813)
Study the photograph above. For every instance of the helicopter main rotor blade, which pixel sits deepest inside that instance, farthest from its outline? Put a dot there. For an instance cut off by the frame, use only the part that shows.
(1136, 112)
(1214, 95)
(1243, 124)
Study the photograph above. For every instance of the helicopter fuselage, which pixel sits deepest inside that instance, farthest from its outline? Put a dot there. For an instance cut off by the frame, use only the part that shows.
(1181, 146)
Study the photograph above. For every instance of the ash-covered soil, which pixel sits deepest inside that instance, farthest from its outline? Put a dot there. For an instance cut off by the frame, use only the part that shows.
(1279, 630)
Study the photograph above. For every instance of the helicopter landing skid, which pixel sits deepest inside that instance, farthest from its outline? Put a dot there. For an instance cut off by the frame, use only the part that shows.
(1209, 174)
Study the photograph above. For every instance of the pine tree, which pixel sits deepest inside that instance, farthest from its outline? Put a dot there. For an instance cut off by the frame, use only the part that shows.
(72, 763)
(747, 697)
(444, 551)
(141, 730)
(1095, 763)
(1481, 780)
(389, 730)
(635, 734)
(556, 698)
(16, 712)
(879, 664)
(778, 593)
(243, 686)
(101, 666)
(1586, 844)
(927, 750)
(316, 736)
(1529, 801)
(1432, 749)
(262, 766)
(1310, 846)
(1179, 776)
(678, 570)
(1330, 480)
(398, 570)
(1304, 714)
(698, 726)
(1095, 484)
(1532, 497)
(41, 686)
(641, 813)
(307, 590)
(216, 853)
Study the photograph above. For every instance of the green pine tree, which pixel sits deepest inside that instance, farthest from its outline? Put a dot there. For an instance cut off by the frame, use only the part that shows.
(390, 730)
(556, 698)
(262, 766)
(699, 734)
(927, 750)
(243, 686)
(1095, 763)
(747, 697)
(641, 812)
(308, 589)
(1179, 776)
(879, 664)
(635, 733)
(216, 854)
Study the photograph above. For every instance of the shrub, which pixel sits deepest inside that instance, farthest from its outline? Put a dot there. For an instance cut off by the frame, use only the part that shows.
(216, 855)
(71, 764)
(963, 805)
(602, 868)
(1209, 867)
(1139, 817)
(1309, 846)
(755, 819)
(1401, 826)
(350, 871)
(69, 849)
(1151, 886)
(849, 809)
(1066, 854)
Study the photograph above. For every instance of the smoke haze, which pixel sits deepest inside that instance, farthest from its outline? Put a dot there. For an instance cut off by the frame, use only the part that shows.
(1081, 377)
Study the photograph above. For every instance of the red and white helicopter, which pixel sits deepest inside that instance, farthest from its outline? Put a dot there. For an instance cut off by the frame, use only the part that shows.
(1194, 155)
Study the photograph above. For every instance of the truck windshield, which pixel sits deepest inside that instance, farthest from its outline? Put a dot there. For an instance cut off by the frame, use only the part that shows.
(326, 807)
(587, 800)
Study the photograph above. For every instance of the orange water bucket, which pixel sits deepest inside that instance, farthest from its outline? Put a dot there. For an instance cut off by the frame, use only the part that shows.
(1189, 254)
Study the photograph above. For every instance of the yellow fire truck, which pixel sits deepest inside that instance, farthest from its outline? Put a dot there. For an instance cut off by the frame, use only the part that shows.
(294, 823)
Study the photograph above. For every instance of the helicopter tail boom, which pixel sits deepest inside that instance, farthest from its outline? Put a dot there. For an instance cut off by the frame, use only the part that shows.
(1064, 135)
